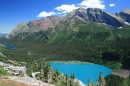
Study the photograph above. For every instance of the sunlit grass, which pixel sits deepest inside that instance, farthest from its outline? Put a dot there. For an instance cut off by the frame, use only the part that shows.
(3, 72)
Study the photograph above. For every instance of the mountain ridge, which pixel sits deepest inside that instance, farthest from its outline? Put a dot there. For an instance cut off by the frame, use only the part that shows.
(90, 14)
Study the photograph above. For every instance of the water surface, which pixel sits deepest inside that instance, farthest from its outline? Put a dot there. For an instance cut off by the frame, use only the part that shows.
(9, 45)
(82, 71)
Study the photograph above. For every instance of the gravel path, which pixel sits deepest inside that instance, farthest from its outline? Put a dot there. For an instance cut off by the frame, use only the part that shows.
(29, 81)
(122, 73)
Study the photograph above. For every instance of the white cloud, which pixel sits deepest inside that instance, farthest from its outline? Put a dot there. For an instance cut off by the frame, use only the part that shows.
(45, 14)
(92, 4)
(60, 10)
(111, 5)
(66, 8)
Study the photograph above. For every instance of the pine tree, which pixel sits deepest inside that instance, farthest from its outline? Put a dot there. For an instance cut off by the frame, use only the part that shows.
(72, 80)
(48, 72)
(89, 83)
(57, 73)
(66, 80)
(41, 72)
(72, 76)
(101, 80)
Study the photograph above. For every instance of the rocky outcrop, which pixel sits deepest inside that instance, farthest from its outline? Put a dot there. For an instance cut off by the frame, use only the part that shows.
(35, 25)
(22, 27)
(125, 15)
(44, 24)
(94, 15)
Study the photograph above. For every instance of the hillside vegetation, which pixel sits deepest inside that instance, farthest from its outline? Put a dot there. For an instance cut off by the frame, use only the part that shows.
(3, 72)
(84, 41)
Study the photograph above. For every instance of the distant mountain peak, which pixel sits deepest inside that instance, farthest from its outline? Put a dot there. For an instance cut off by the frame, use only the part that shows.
(22, 24)
(126, 11)
(81, 9)
(90, 14)
(94, 15)
(125, 15)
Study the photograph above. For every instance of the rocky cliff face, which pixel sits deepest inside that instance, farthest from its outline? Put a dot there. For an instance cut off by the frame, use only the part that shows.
(94, 15)
(36, 25)
(21, 27)
(125, 15)
(44, 23)
(90, 14)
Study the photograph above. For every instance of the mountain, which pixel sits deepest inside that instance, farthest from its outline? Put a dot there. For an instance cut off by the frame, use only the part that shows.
(68, 22)
(125, 15)
(36, 25)
(44, 24)
(21, 27)
(94, 15)
(2, 35)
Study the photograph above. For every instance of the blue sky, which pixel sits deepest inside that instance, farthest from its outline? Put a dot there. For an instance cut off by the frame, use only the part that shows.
(12, 12)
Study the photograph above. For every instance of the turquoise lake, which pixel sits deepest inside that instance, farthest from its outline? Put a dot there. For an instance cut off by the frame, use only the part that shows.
(9, 45)
(82, 71)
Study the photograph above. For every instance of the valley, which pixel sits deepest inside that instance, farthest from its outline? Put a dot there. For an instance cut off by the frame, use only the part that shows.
(82, 35)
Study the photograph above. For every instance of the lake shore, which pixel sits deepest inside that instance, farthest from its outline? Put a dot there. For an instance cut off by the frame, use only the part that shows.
(122, 73)
(76, 67)
(72, 62)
